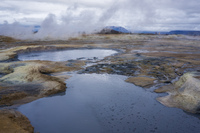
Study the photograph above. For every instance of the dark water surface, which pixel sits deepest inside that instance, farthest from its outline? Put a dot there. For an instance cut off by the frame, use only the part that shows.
(102, 103)
(1, 75)
(65, 55)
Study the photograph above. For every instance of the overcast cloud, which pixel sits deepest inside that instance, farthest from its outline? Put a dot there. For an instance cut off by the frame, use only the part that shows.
(59, 18)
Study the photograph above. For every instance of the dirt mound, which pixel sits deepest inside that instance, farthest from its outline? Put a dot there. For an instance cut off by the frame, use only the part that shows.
(32, 79)
(184, 94)
(7, 39)
(12, 121)
(141, 81)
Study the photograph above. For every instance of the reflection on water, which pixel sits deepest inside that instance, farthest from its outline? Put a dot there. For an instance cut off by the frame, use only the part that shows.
(104, 103)
(193, 115)
(91, 54)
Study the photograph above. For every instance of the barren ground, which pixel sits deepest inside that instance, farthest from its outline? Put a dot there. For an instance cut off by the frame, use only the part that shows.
(149, 60)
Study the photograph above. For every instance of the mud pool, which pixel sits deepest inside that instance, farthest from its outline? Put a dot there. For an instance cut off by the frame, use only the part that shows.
(103, 103)
(64, 55)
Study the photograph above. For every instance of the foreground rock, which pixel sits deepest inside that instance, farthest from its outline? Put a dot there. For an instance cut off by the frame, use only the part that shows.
(27, 81)
(184, 94)
(12, 121)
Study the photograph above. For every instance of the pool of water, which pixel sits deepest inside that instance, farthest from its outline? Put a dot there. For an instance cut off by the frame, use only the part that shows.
(64, 55)
(1, 75)
(103, 103)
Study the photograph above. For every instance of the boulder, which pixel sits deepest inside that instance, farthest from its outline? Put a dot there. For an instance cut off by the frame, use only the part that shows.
(185, 93)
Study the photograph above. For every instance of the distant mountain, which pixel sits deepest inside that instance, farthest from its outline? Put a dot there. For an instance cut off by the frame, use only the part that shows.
(114, 30)
(36, 28)
(185, 32)
(174, 32)
(152, 32)
(122, 30)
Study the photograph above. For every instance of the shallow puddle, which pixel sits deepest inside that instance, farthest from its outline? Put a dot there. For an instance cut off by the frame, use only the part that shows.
(102, 103)
(64, 55)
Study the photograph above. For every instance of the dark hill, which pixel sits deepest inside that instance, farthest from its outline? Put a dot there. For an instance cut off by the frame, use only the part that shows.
(114, 30)
(185, 32)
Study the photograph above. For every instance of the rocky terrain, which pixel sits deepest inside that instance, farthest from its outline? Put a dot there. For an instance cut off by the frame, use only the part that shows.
(169, 63)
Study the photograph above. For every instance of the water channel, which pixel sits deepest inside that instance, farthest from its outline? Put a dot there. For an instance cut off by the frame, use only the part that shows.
(104, 103)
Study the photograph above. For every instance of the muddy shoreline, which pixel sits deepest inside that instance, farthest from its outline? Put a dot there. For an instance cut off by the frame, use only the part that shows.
(148, 60)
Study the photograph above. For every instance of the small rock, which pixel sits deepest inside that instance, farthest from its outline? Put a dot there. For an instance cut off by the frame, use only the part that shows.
(164, 89)
(141, 81)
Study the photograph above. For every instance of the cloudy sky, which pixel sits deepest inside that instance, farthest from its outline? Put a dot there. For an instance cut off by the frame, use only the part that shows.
(79, 15)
